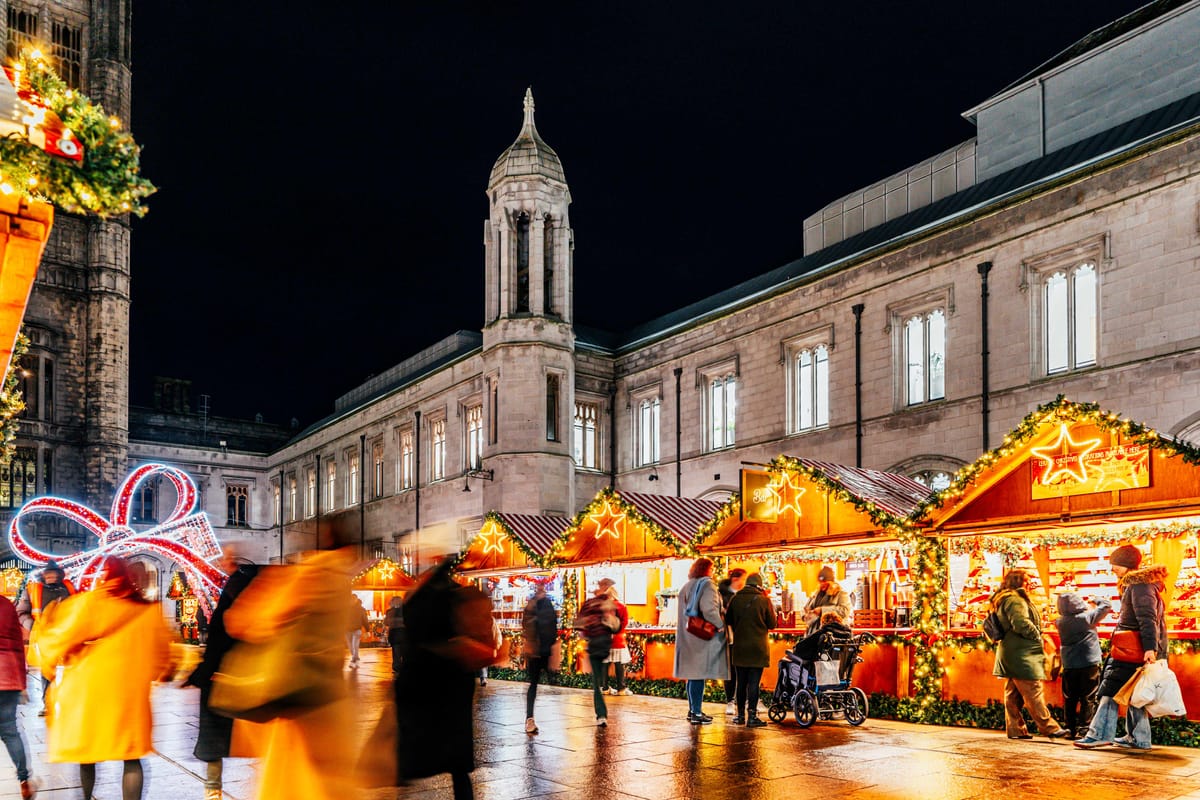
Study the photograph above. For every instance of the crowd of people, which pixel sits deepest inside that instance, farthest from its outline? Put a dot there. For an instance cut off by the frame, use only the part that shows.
(272, 686)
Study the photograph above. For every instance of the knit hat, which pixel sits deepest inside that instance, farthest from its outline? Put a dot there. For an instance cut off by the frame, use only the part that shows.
(52, 566)
(1126, 556)
(754, 579)
(826, 574)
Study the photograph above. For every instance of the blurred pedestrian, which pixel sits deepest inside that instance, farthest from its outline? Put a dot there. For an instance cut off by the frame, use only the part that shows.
(117, 646)
(539, 629)
(1021, 659)
(51, 585)
(1076, 623)
(216, 731)
(728, 587)
(358, 622)
(394, 620)
(619, 655)
(698, 660)
(436, 689)
(597, 621)
(1142, 610)
(12, 694)
(306, 752)
(750, 616)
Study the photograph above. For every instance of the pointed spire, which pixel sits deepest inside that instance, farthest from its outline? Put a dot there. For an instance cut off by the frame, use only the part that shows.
(528, 126)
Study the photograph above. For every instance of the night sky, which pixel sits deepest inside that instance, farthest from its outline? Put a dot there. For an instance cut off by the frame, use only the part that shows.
(322, 172)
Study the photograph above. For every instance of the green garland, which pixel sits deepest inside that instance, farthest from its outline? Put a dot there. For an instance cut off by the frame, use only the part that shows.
(11, 401)
(930, 568)
(107, 183)
(632, 514)
(731, 508)
(898, 526)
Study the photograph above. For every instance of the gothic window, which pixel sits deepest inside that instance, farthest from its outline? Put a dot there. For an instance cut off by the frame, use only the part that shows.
(810, 367)
(377, 470)
(66, 47)
(935, 479)
(522, 263)
(1070, 319)
(236, 505)
(587, 439)
(552, 408)
(437, 432)
(548, 264)
(310, 492)
(144, 502)
(407, 457)
(293, 506)
(330, 483)
(352, 478)
(18, 478)
(474, 437)
(22, 31)
(494, 413)
(37, 387)
(648, 416)
(925, 357)
(277, 497)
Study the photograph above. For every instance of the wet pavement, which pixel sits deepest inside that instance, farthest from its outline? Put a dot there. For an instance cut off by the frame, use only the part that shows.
(649, 752)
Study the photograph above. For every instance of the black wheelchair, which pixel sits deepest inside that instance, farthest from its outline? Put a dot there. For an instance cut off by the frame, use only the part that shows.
(814, 690)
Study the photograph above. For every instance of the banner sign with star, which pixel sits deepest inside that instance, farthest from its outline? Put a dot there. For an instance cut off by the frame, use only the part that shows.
(1087, 468)
(759, 502)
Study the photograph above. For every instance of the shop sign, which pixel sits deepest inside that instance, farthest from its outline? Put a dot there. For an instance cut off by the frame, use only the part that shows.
(760, 501)
(1089, 470)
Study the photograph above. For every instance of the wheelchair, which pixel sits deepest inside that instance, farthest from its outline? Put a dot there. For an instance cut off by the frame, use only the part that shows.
(809, 698)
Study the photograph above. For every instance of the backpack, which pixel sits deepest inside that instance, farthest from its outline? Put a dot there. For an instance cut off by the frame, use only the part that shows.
(992, 627)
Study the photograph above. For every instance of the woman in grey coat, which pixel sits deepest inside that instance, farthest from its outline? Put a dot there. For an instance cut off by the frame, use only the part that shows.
(698, 660)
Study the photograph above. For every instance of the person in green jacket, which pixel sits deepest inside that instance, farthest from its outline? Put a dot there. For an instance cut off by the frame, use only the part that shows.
(750, 616)
(1020, 659)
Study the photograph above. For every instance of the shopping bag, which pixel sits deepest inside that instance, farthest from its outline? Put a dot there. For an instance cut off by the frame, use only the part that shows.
(1158, 692)
(1125, 692)
(828, 673)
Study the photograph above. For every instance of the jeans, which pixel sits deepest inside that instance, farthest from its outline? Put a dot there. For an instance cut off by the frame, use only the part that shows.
(1078, 686)
(695, 695)
(618, 677)
(747, 689)
(534, 667)
(599, 668)
(396, 640)
(11, 734)
(1104, 723)
(352, 639)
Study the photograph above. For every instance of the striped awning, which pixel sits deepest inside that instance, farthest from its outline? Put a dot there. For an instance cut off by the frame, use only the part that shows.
(682, 516)
(538, 531)
(896, 494)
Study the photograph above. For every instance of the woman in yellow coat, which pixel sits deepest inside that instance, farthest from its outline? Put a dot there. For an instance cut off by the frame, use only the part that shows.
(112, 644)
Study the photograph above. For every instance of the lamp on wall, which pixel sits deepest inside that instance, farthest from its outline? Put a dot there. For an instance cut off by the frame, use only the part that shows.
(653, 474)
(483, 474)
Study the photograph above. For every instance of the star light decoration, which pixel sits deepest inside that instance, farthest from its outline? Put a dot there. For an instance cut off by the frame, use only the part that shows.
(1073, 465)
(787, 493)
(492, 536)
(609, 522)
(386, 569)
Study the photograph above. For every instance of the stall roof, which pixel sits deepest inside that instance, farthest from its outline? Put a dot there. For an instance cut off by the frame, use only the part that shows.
(896, 494)
(539, 531)
(682, 516)
(368, 578)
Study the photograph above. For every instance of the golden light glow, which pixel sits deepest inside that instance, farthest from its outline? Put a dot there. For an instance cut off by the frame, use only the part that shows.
(386, 569)
(1073, 465)
(787, 493)
(492, 535)
(609, 521)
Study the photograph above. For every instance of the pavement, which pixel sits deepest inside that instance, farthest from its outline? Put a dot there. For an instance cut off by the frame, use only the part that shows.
(650, 752)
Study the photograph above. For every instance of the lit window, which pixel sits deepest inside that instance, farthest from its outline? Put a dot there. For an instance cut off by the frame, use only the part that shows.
(352, 494)
(406, 459)
(1071, 319)
(474, 437)
(292, 507)
(377, 474)
(437, 431)
(330, 483)
(66, 48)
(236, 502)
(811, 368)
(22, 32)
(586, 436)
(648, 411)
(275, 506)
(925, 357)
(722, 411)
(310, 493)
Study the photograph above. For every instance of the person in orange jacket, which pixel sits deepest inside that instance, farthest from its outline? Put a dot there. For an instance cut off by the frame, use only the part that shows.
(50, 587)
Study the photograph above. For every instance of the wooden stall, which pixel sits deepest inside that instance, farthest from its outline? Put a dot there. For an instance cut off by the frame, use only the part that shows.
(1069, 484)
(376, 582)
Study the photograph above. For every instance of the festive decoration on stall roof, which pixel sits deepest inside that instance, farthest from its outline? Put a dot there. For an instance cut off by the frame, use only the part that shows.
(65, 149)
(731, 509)
(494, 524)
(930, 572)
(608, 522)
(185, 536)
(607, 502)
(492, 535)
(831, 554)
(787, 492)
(11, 401)
(387, 569)
(1072, 466)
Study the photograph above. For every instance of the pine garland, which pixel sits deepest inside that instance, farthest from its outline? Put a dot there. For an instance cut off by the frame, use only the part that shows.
(107, 183)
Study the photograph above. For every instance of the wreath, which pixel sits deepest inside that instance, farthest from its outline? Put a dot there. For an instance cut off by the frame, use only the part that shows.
(104, 181)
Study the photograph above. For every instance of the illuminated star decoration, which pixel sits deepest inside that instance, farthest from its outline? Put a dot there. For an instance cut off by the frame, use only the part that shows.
(386, 569)
(608, 521)
(1073, 465)
(492, 535)
(787, 493)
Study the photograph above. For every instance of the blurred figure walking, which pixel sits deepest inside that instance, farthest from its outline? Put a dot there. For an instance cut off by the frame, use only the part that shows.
(357, 624)
(619, 655)
(116, 645)
(12, 689)
(52, 585)
(394, 620)
(539, 627)
(216, 731)
(598, 621)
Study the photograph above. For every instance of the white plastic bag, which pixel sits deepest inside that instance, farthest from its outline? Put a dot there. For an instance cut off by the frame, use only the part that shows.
(1158, 692)
(827, 673)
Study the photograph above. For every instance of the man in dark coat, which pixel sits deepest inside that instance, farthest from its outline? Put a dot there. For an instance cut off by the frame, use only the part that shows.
(51, 586)
(216, 731)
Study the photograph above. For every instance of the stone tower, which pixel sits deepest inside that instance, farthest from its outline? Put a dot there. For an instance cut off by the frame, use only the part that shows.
(528, 342)
(74, 435)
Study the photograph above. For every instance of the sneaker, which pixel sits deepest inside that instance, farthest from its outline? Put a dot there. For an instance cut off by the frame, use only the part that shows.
(738, 720)
(1129, 744)
(699, 719)
(29, 789)
(42, 713)
(731, 709)
(1061, 733)
(602, 722)
(1088, 743)
(755, 722)
(612, 690)
(531, 726)
(627, 692)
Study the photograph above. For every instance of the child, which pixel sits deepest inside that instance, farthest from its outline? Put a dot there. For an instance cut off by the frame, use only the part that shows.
(1080, 656)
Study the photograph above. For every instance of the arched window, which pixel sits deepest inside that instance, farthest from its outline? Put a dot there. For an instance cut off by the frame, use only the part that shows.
(925, 357)
(548, 265)
(523, 262)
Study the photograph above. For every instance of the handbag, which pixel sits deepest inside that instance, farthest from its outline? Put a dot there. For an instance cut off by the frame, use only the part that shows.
(993, 629)
(1125, 693)
(1127, 647)
(697, 625)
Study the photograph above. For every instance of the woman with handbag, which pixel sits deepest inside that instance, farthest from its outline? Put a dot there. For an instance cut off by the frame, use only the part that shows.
(1021, 659)
(112, 644)
(1140, 638)
(597, 620)
(700, 637)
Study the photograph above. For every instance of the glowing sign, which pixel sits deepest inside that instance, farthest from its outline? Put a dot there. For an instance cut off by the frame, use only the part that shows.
(1105, 469)
(609, 522)
(1059, 466)
(492, 535)
(787, 493)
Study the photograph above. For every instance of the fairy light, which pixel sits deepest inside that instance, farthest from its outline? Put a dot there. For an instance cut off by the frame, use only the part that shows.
(1072, 464)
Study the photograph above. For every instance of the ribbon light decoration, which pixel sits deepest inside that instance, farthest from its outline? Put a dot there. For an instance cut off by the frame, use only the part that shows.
(185, 537)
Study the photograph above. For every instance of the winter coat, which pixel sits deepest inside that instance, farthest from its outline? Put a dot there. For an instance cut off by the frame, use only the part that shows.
(539, 627)
(12, 649)
(590, 621)
(695, 658)
(618, 639)
(1076, 625)
(112, 649)
(1020, 653)
(37, 595)
(749, 616)
(838, 600)
(357, 619)
(1142, 610)
(216, 731)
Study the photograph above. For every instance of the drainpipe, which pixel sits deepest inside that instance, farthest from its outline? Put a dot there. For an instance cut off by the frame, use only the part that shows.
(678, 434)
(857, 308)
(417, 492)
(362, 497)
(317, 478)
(281, 515)
(612, 435)
(985, 398)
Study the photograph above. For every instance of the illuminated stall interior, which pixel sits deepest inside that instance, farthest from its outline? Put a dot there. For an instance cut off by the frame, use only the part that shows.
(376, 582)
(509, 555)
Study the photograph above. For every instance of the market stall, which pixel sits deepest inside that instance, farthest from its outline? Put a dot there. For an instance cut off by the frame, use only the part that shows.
(1069, 484)
(376, 582)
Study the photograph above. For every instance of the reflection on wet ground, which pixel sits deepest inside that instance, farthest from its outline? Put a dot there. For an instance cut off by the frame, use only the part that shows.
(650, 752)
